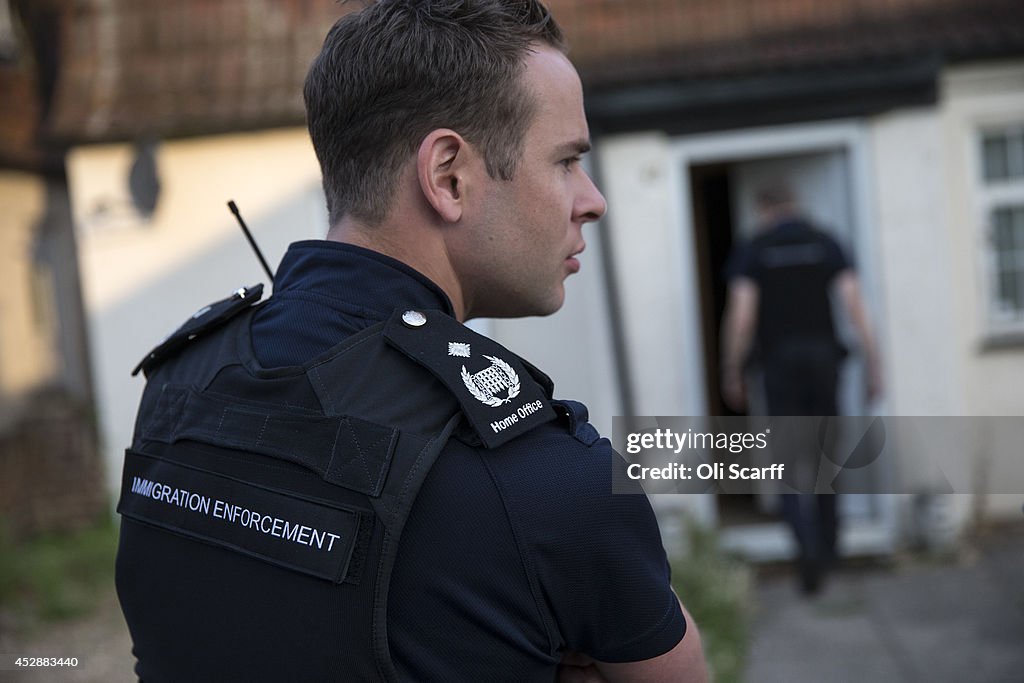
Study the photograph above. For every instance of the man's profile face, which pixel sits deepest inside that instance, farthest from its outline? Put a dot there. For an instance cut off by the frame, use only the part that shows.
(525, 233)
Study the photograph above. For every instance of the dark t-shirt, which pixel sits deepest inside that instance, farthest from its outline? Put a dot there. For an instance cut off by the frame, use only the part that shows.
(509, 554)
(793, 265)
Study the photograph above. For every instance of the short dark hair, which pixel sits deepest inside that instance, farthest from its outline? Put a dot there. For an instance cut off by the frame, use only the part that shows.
(394, 71)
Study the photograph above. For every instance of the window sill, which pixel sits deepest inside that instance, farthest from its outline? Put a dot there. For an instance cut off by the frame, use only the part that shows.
(998, 341)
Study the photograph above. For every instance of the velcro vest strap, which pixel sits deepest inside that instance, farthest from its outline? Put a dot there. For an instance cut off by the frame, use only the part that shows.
(577, 415)
(360, 451)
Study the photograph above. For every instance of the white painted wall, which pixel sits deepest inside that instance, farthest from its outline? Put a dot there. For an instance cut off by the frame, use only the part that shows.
(975, 98)
(931, 218)
(28, 359)
(142, 279)
(656, 275)
(927, 179)
(925, 373)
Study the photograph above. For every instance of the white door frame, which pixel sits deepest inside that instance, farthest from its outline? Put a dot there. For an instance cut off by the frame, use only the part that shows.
(744, 145)
(849, 136)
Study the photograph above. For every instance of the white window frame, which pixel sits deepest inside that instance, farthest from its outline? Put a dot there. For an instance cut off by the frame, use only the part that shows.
(991, 195)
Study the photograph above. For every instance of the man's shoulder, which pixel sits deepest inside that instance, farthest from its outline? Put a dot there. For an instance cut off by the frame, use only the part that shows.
(804, 230)
(200, 324)
(563, 465)
(568, 436)
(580, 533)
(502, 396)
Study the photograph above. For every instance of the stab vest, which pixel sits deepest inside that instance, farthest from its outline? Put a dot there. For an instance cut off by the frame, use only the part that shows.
(263, 508)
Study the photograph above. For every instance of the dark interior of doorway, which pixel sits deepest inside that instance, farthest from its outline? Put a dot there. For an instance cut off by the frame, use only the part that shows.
(711, 199)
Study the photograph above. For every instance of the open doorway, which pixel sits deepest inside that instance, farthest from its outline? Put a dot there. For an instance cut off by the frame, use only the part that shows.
(722, 201)
(715, 236)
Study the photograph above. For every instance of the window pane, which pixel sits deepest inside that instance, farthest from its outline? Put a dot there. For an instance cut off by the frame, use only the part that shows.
(1019, 308)
(1008, 248)
(995, 150)
(1008, 299)
(1017, 222)
(1015, 155)
(1002, 229)
(1005, 262)
(1003, 154)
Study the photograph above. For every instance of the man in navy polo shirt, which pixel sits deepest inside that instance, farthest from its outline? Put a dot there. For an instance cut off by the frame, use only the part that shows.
(450, 135)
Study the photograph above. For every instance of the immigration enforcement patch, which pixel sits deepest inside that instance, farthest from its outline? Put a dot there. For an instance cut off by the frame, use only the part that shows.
(285, 529)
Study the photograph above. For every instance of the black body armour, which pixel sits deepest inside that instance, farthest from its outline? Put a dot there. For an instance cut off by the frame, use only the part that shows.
(263, 509)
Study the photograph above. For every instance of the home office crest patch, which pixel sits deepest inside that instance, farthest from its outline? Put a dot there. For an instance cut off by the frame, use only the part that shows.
(488, 384)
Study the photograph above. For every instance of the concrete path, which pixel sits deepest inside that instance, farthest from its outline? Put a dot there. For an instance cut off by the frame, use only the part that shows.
(959, 621)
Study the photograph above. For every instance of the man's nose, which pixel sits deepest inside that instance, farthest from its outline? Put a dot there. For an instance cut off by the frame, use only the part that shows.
(591, 204)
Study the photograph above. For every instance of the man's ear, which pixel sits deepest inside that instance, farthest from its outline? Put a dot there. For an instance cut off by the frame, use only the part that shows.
(441, 165)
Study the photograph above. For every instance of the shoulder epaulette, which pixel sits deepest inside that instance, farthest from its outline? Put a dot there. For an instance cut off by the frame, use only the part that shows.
(501, 395)
(201, 322)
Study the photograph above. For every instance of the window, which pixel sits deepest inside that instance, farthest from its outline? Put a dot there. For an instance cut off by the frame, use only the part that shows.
(1002, 196)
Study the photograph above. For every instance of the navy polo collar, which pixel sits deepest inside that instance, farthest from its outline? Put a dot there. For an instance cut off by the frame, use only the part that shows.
(791, 225)
(361, 280)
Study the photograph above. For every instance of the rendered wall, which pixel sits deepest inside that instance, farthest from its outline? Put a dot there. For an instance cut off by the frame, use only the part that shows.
(142, 279)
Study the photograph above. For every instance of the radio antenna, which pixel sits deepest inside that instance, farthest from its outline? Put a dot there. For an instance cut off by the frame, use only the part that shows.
(248, 236)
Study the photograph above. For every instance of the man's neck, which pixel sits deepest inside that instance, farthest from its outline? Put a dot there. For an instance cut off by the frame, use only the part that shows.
(771, 219)
(413, 246)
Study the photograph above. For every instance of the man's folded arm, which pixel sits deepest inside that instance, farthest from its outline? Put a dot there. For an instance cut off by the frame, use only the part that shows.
(684, 663)
(603, 570)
